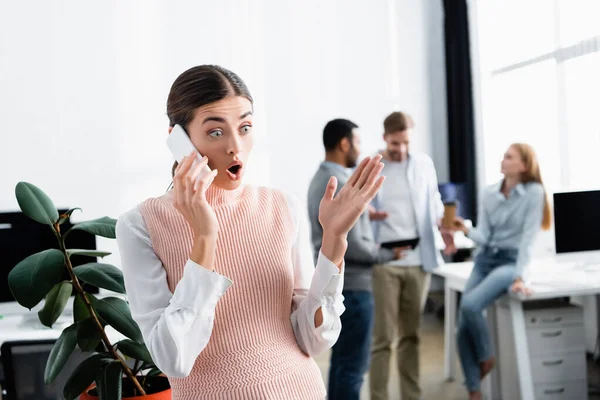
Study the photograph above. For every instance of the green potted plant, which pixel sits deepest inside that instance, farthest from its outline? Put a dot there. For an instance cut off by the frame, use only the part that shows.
(105, 374)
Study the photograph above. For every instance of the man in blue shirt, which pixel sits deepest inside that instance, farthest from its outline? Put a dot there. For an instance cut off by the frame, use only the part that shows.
(409, 207)
(350, 354)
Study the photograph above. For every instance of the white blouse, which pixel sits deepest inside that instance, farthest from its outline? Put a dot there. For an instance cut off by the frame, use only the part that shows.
(177, 326)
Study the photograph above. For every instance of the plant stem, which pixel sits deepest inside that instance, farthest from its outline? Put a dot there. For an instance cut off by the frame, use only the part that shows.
(136, 367)
(93, 315)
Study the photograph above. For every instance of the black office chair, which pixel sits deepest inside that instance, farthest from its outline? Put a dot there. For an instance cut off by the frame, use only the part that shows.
(24, 363)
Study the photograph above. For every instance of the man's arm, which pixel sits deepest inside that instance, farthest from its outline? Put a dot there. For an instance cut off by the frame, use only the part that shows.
(434, 192)
(437, 205)
(362, 248)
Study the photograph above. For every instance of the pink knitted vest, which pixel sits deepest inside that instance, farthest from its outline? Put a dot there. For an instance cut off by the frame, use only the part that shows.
(252, 352)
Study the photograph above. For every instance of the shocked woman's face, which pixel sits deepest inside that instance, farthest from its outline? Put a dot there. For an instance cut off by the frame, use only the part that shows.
(222, 131)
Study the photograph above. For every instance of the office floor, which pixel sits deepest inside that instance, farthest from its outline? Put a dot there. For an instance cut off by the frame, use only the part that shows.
(432, 368)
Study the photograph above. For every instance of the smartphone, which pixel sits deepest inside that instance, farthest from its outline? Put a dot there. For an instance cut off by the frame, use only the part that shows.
(181, 146)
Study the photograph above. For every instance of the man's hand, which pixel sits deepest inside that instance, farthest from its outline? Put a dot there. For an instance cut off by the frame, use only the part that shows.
(375, 215)
(399, 252)
(448, 237)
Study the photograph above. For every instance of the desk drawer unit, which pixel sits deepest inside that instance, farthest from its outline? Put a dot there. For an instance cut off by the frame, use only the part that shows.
(559, 339)
(556, 343)
(557, 391)
(553, 317)
(558, 368)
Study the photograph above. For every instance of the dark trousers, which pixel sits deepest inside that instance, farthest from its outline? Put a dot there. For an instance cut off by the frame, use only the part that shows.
(350, 354)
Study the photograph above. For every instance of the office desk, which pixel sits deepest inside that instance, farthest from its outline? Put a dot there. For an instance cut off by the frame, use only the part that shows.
(18, 323)
(550, 278)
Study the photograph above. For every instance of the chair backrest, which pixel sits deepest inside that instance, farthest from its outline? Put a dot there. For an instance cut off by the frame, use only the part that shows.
(24, 363)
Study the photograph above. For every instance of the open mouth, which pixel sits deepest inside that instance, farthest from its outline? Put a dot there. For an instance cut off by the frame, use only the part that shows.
(235, 171)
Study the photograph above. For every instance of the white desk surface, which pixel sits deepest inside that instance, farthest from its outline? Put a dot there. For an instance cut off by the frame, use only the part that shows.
(549, 277)
(18, 323)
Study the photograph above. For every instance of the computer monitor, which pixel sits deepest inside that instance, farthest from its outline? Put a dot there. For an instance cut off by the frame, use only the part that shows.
(577, 221)
(21, 237)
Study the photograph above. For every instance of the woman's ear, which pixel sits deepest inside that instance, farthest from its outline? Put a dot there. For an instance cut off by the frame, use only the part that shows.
(523, 168)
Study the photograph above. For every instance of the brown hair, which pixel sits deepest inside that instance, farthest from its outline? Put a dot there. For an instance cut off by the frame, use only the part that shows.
(397, 122)
(199, 86)
(532, 174)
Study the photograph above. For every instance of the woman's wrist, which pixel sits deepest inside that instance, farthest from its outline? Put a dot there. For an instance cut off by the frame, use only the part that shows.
(203, 251)
(334, 248)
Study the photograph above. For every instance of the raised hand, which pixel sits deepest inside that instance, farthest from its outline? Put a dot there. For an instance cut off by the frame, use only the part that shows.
(190, 201)
(338, 213)
(190, 196)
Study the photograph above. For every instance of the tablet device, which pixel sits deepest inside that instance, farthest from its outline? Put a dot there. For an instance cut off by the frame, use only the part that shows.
(401, 243)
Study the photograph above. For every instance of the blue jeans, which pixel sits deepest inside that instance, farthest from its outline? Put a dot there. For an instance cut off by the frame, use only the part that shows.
(492, 276)
(350, 354)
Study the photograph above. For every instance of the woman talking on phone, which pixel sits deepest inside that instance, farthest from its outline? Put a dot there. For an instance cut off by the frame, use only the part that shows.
(220, 275)
(512, 212)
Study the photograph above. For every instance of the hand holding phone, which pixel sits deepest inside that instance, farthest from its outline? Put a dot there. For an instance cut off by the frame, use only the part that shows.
(181, 146)
(191, 201)
(193, 205)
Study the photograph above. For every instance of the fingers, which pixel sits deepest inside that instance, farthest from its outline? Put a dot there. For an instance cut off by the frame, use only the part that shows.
(372, 178)
(179, 180)
(331, 187)
(184, 166)
(184, 181)
(398, 253)
(191, 176)
(196, 170)
(354, 178)
(368, 170)
(203, 183)
(372, 191)
(377, 215)
(520, 288)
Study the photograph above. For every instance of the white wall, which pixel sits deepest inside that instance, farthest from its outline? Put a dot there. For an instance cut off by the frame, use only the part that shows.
(83, 87)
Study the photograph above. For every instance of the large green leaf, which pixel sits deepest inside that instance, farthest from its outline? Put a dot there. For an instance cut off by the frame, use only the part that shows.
(153, 372)
(134, 350)
(147, 365)
(116, 313)
(83, 376)
(88, 336)
(56, 300)
(109, 381)
(80, 311)
(31, 279)
(62, 349)
(35, 203)
(105, 276)
(65, 217)
(104, 227)
(94, 301)
(91, 253)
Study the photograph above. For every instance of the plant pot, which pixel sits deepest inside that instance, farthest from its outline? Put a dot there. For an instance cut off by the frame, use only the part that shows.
(158, 389)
